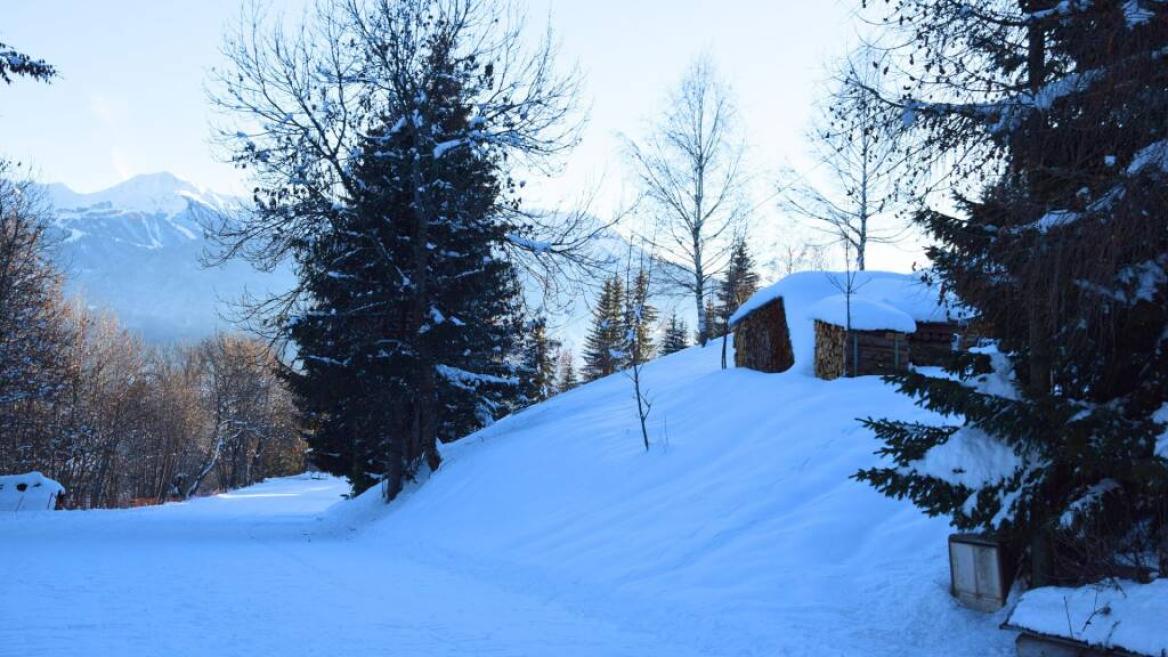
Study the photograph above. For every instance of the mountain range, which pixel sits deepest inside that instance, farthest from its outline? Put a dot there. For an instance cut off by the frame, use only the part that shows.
(137, 250)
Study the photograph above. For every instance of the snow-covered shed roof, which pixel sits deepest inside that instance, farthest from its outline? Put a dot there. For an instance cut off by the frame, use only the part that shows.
(881, 300)
(864, 314)
(1125, 616)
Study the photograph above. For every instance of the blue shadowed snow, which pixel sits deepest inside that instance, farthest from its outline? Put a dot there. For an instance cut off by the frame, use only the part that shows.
(550, 533)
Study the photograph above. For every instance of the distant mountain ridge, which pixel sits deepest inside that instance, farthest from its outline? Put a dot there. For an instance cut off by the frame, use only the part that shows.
(136, 249)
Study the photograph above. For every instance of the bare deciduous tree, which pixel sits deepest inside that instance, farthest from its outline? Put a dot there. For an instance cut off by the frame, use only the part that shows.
(635, 344)
(866, 181)
(690, 168)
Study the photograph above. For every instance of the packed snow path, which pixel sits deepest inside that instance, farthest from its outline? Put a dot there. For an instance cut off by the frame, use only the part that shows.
(248, 574)
(552, 532)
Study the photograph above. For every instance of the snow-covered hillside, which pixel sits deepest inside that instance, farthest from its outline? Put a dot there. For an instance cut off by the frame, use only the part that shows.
(552, 532)
(135, 249)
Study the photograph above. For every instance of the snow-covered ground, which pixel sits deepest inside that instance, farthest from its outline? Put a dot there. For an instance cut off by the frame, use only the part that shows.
(551, 533)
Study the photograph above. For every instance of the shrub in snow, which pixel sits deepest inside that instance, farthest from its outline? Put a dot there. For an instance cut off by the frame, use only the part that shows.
(31, 491)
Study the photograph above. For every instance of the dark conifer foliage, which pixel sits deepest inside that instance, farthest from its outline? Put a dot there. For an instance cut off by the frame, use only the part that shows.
(1061, 249)
(717, 328)
(386, 134)
(414, 313)
(603, 348)
(676, 335)
(540, 363)
(567, 372)
(17, 64)
(737, 285)
(640, 316)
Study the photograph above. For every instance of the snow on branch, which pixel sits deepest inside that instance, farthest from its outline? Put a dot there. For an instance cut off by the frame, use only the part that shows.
(1005, 115)
(465, 380)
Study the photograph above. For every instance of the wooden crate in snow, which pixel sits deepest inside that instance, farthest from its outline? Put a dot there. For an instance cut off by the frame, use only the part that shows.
(979, 574)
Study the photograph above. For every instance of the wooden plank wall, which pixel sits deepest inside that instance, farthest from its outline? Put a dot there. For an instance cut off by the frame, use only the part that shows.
(932, 343)
(879, 352)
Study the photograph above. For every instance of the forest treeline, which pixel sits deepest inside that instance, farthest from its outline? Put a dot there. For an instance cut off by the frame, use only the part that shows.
(116, 421)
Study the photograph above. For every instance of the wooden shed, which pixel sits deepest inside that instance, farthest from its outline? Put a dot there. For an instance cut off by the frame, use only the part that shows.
(840, 353)
(762, 340)
(933, 343)
(834, 324)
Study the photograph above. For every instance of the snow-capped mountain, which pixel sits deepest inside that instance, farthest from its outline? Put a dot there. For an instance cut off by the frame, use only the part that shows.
(136, 249)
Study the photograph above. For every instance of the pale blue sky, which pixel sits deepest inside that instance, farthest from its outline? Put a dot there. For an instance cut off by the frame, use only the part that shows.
(131, 94)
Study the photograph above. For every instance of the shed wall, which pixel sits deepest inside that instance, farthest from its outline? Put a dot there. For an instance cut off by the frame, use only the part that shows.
(762, 340)
(860, 353)
(933, 342)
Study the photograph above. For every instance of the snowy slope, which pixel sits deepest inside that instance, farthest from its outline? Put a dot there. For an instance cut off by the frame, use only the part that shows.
(740, 531)
(552, 532)
(135, 249)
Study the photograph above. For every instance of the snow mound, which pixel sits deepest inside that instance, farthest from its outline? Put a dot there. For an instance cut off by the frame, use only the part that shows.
(899, 300)
(31, 491)
(740, 532)
(1124, 616)
(864, 314)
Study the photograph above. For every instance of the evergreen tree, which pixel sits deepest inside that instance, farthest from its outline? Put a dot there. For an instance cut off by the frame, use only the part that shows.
(676, 335)
(540, 363)
(717, 327)
(739, 283)
(567, 377)
(412, 313)
(640, 316)
(382, 154)
(1064, 257)
(603, 353)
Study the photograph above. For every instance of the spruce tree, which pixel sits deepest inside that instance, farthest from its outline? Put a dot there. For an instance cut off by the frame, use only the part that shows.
(539, 364)
(1061, 250)
(676, 335)
(382, 155)
(738, 284)
(603, 353)
(717, 326)
(412, 313)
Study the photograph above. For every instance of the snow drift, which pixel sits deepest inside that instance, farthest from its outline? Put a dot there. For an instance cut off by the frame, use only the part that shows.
(31, 491)
(739, 532)
(1113, 616)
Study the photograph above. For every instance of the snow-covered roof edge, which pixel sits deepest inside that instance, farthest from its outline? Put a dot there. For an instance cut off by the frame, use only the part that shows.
(1121, 615)
(908, 293)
